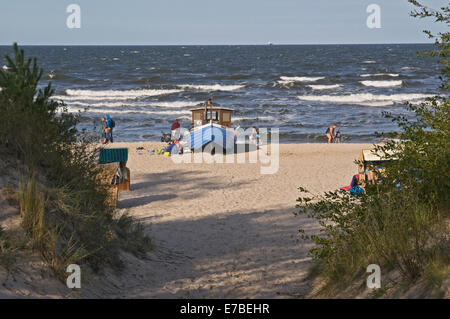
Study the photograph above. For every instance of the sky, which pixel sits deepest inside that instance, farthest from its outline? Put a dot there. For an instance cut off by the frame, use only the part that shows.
(211, 22)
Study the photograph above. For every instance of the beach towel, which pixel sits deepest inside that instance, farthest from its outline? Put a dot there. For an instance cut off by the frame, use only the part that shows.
(353, 182)
(354, 187)
(356, 190)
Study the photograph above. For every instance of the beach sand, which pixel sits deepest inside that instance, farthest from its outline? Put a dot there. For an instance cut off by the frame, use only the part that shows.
(226, 230)
(219, 230)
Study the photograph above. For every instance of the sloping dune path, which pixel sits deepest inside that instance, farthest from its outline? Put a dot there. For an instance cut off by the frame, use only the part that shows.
(220, 230)
(224, 230)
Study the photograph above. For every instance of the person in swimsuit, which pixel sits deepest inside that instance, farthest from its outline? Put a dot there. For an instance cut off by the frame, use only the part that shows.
(330, 133)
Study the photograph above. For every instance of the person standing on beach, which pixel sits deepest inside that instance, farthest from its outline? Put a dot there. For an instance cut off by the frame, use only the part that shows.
(330, 133)
(175, 130)
(109, 125)
(103, 130)
(255, 135)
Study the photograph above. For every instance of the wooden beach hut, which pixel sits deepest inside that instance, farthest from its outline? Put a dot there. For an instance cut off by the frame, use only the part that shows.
(120, 157)
(218, 115)
(114, 173)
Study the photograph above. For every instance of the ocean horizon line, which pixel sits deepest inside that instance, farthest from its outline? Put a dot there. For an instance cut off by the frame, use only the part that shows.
(217, 45)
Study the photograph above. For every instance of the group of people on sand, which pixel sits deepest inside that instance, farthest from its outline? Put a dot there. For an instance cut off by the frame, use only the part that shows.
(332, 133)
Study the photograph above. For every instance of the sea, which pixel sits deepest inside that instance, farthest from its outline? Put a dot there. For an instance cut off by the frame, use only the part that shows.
(298, 89)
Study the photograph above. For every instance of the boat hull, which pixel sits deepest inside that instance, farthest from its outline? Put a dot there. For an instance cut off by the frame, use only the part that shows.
(221, 136)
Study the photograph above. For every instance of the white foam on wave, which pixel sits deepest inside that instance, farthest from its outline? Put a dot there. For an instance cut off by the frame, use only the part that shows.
(394, 75)
(369, 62)
(112, 94)
(382, 84)
(293, 79)
(174, 104)
(367, 99)
(377, 103)
(106, 104)
(324, 87)
(118, 111)
(267, 118)
(66, 98)
(115, 93)
(214, 87)
(5, 67)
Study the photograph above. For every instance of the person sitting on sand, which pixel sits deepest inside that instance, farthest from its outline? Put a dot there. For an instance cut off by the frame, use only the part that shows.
(174, 147)
(330, 133)
(372, 175)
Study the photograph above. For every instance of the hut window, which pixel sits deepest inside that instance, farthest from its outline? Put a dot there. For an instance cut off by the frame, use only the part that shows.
(215, 115)
(226, 116)
(197, 116)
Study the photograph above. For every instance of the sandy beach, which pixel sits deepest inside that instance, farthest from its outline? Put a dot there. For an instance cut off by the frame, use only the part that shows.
(224, 230)
(219, 230)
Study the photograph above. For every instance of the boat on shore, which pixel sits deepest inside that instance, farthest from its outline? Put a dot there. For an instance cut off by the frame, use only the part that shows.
(211, 125)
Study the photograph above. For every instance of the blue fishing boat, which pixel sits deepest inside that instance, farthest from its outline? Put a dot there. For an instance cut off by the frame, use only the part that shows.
(212, 125)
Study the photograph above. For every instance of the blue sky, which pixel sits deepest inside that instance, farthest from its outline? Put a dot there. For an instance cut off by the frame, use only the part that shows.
(161, 22)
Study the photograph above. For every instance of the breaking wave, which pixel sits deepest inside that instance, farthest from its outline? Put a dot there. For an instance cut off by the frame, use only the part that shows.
(394, 75)
(214, 87)
(365, 99)
(382, 84)
(72, 95)
(293, 79)
(325, 87)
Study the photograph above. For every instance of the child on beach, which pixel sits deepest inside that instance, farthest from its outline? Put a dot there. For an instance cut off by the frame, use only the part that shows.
(337, 137)
(255, 136)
